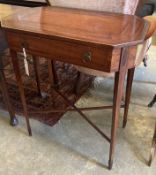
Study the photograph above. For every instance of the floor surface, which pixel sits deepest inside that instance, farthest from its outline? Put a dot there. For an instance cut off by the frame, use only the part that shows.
(72, 147)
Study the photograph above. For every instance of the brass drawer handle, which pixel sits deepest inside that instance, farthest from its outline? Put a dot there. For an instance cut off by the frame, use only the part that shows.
(87, 57)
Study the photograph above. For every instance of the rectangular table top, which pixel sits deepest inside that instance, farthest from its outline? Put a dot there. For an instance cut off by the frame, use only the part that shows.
(79, 25)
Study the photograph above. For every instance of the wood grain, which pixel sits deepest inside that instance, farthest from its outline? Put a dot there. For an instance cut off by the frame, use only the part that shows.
(7, 10)
(101, 28)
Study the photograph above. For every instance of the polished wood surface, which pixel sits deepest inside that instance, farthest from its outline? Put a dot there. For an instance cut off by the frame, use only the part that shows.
(7, 10)
(80, 25)
(97, 40)
(101, 41)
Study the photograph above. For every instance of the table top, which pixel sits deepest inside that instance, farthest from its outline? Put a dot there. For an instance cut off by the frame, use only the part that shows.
(6, 10)
(80, 25)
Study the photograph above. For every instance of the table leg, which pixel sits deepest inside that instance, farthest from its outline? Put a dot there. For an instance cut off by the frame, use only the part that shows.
(6, 99)
(128, 94)
(150, 105)
(118, 91)
(52, 73)
(21, 88)
(153, 148)
(78, 83)
(37, 74)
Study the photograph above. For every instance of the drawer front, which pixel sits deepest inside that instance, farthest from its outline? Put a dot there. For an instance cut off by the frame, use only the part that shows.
(105, 59)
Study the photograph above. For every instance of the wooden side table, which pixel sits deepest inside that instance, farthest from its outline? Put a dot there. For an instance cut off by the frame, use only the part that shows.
(97, 40)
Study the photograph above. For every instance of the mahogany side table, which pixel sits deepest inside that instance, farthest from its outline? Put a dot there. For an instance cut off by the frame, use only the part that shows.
(98, 40)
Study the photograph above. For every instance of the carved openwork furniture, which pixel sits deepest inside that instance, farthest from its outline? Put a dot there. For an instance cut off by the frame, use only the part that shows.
(85, 38)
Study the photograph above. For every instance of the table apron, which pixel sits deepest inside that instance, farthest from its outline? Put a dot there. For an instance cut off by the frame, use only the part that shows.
(103, 58)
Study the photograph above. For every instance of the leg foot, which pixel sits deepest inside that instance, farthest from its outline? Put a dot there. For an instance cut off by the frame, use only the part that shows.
(13, 121)
(124, 123)
(152, 152)
(110, 164)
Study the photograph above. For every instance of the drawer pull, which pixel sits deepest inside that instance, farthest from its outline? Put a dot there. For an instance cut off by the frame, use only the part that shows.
(87, 57)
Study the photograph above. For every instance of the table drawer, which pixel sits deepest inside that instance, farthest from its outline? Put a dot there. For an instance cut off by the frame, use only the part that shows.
(95, 57)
